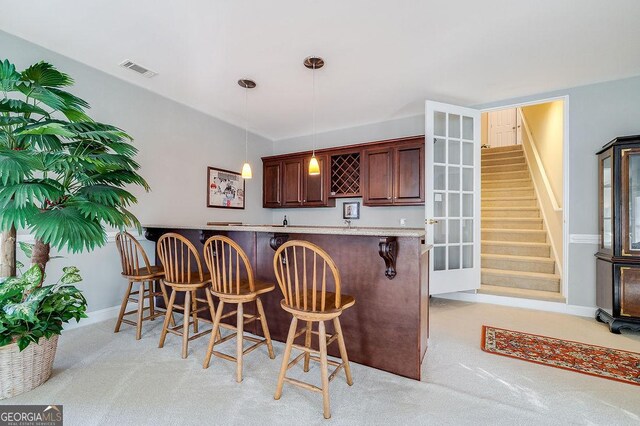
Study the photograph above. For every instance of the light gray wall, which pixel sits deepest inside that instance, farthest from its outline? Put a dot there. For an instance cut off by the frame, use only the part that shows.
(176, 145)
(597, 114)
(369, 216)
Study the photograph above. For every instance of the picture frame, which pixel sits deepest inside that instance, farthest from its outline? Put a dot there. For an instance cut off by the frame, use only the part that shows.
(351, 210)
(225, 189)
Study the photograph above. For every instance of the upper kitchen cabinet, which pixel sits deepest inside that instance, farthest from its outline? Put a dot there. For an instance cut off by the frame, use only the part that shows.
(272, 183)
(384, 173)
(287, 183)
(292, 170)
(315, 187)
(394, 175)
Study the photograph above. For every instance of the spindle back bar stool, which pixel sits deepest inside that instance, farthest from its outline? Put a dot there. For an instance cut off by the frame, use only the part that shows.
(304, 272)
(184, 274)
(233, 282)
(136, 268)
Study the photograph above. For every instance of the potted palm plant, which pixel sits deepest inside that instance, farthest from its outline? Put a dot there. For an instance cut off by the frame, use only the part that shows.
(63, 178)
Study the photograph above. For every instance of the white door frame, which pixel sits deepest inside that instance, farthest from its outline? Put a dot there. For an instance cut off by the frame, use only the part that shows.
(565, 178)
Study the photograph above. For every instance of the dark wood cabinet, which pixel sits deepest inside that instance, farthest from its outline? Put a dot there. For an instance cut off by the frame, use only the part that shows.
(272, 184)
(618, 256)
(292, 170)
(377, 176)
(384, 173)
(394, 175)
(314, 188)
(287, 183)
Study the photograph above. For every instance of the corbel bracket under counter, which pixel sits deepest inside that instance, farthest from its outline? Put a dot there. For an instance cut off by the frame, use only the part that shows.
(387, 249)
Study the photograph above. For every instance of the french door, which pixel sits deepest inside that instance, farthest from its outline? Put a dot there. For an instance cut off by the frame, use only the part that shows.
(452, 204)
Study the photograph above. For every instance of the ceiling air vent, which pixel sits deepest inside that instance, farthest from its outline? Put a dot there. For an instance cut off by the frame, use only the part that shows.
(138, 68)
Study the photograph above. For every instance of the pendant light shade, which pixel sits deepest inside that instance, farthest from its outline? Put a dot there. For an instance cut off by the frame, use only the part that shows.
(246, 171)
(313, 63)
(314, 166)
(246, 167)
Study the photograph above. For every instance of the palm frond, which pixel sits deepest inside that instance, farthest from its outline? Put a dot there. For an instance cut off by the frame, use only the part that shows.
(118, 178)
(42, 142)
(41, 94)
(20, 107)
(9, 77)
(102, 213)
(10, 215)
(49, 127)
(36, 191)
(46, 75)
(16, 166)
(68, 228)
(108, 195)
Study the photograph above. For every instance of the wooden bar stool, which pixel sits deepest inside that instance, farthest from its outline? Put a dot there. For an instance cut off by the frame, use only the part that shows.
(137, 269)
(183, 274)
(233, 282)
(307, 299)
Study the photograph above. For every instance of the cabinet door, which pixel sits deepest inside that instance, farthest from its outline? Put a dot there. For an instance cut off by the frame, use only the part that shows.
(377, 177)
(272, 184)
(315, 187)
(630, 186)
(292, 182)
(409, 174)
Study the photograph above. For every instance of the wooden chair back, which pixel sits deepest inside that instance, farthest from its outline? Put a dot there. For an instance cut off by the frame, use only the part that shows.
(304, 272)
(133, 258)
(180, 260)
(228, 264)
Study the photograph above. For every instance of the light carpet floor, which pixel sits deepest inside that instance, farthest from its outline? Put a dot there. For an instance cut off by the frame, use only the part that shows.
(104, 378)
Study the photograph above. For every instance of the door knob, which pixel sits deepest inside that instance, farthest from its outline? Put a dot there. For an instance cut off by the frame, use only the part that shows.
(431, 221)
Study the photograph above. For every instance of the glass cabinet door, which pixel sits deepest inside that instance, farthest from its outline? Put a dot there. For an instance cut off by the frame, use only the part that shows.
(631, 202)
(606, 206)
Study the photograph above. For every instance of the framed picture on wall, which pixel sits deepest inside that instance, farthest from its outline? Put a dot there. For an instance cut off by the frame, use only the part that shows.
(225, 189)
(351, 210)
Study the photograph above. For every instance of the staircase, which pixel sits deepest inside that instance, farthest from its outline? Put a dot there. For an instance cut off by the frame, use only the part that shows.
(516, 255)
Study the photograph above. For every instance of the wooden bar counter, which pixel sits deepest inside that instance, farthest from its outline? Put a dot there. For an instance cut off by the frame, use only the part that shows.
(384, 269)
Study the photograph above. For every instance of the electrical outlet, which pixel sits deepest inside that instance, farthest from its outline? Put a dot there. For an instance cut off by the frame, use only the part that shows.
(403, 222)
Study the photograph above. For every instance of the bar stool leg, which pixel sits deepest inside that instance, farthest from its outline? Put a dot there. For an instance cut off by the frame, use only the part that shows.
(141, 297)
(324, 367)
(343, 350)
(194, 307)
(212, 309)
(152, 308)
(185, 323)
(265, 328)
(214, 331)
(285, 357)
(239, 341)
(123, 307)
(307, 343)
(163, 289)
(168, 316)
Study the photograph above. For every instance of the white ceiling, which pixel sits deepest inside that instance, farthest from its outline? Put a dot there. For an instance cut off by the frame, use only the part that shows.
(384, 58)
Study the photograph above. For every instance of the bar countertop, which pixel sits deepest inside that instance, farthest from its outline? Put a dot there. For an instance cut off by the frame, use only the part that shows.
(325, 230)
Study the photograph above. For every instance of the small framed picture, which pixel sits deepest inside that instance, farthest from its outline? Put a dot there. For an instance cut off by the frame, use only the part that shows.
(351, 210)
(225, 189)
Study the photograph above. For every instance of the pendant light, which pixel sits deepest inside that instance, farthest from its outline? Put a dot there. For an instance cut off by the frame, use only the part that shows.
(246, 168)
(314, 63)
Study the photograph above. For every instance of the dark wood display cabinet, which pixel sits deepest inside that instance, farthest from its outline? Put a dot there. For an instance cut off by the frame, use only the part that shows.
(383, 173)
(618, 256)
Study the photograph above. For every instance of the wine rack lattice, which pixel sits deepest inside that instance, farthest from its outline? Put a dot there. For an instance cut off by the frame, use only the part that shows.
(345, 175)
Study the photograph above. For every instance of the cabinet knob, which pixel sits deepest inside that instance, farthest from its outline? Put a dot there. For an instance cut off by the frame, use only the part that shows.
(388, 198)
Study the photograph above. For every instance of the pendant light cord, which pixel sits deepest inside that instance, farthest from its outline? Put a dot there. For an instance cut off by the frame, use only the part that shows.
(246, 124)
(313, 103)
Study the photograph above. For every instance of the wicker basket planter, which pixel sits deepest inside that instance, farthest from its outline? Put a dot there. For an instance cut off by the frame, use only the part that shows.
(22, 371)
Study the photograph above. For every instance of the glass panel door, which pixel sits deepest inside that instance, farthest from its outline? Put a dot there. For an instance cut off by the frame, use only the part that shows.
(607, 204)
(452, 205)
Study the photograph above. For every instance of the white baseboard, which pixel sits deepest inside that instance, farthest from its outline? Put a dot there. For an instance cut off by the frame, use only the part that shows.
(94, 317)
(516, 302)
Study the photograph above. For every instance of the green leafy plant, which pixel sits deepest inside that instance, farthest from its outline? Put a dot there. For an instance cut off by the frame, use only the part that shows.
(30, 311)
(62, 175)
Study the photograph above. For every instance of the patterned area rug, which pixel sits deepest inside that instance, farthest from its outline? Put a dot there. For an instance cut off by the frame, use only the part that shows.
(613, 364)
